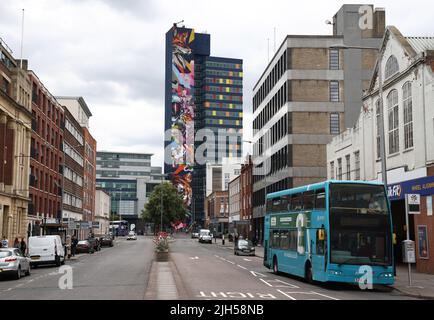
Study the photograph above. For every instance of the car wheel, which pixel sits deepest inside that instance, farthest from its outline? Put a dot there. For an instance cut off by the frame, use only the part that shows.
(18, 274)
(275, 266)
(308, 273)
(28, 271)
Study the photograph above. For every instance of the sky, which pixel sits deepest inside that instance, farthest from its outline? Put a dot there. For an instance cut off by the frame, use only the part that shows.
(111, 52)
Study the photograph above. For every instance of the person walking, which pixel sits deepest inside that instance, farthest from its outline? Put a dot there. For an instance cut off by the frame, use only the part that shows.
(23, 246)
(5, 242)
(74, 242)
(17, 243)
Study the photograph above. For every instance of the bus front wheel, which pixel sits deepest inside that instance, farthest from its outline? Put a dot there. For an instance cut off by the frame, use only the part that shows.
(275, 266)
(308, 273)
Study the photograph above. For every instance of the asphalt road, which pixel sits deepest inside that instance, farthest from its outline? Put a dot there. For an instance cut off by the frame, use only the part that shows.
(194, 271)
(212, 272)
(117, 273)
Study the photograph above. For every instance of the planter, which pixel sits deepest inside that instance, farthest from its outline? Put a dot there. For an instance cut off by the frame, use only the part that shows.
(161, 256)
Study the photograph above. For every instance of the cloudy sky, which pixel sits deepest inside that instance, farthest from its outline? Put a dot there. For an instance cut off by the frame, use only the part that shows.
(111, 52)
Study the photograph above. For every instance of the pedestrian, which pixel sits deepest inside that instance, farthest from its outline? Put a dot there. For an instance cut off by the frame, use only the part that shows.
(74, 243)
(17, 243)
(68, 246)
(23, 246)
(5, 242)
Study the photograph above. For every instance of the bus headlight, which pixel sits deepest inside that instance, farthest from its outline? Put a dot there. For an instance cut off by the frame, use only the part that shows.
(387, 275)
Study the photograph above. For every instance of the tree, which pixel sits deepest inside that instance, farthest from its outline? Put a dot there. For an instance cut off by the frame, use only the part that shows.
(165, 198)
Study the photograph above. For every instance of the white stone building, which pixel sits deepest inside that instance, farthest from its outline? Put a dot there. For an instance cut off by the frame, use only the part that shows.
(102, 211)
(408, 109)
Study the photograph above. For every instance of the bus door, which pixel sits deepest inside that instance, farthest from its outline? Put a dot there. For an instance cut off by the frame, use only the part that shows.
(319, 250)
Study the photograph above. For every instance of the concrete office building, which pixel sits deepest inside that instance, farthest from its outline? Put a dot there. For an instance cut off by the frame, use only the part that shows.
(15, 135)
(308, 93)
(129, 179)
(203, 99)
(408, 69)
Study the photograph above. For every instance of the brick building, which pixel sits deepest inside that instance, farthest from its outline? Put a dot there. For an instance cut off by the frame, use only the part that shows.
(46, 157)
(15, 132)
(246, 192)
(217, 204)
(89, 174)
(308, 93)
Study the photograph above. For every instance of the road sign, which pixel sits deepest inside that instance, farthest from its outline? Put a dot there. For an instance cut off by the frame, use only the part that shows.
(413, 202)
(95, 224)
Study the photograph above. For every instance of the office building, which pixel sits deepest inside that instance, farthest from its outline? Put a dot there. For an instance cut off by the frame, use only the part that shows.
(309, 92)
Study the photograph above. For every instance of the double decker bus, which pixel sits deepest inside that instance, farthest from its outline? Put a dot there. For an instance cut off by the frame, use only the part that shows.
(119, 228)
(328, 231)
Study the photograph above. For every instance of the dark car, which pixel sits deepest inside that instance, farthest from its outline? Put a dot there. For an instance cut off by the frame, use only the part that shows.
(244, 247)
(84, 246)
(106, 241)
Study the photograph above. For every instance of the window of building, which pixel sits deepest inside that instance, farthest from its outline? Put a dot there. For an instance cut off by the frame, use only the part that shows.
(332, 170)
(334, 91)
(408, 115)
(339, 169)
(334, 59)
(357, 165)
(378, 119)
(392, 67)
(348, 163)
(334, 123)
(393, 115)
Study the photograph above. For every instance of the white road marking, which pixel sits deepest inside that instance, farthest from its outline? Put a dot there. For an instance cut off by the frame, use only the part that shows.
(248, 260)
(279, 284)
(256, 274)
(31, 280)
(241, 267)
(230, 262)
(19, 285)
(320, 294)
(287, 295)
(194, 258)
(216, 256)
(8, 290)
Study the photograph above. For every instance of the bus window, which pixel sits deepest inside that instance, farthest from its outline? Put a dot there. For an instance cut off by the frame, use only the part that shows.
(296, 202)
(320, 199)
(308, 200)
(284, 239)
(276, 205)
(293, 235)
(269, 205)
(275, 239)
(285, 203)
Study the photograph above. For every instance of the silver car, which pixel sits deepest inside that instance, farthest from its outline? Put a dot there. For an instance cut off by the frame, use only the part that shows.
(12, 261)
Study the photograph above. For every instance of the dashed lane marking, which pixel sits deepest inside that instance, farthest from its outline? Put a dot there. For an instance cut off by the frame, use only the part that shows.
(230, 262)
(244, 268)
(248, 260)
(256, 274)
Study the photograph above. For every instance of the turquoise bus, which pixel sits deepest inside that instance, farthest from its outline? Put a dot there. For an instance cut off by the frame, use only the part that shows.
(328, 231)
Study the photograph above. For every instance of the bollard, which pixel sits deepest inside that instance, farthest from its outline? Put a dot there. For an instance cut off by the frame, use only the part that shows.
(223, 239)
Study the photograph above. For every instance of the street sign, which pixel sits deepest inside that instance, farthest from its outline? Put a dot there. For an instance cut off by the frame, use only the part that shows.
(84, 224)
(413, 202)
(95, 224)
(408, 251)
(72, 224)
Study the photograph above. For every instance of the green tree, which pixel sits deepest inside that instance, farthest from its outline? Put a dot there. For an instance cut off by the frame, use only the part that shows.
(164, 198)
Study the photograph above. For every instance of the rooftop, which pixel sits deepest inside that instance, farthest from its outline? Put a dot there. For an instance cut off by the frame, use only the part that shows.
(421, 44)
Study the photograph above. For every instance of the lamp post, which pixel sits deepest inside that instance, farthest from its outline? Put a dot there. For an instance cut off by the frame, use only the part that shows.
(380, 100)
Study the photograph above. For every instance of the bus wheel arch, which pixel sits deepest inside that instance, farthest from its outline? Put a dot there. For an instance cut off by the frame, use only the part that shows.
(308, 274)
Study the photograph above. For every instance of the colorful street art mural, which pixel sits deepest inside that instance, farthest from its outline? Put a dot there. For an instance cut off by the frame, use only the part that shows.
(182, 128)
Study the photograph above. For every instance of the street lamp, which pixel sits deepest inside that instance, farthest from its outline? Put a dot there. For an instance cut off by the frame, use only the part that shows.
(380, 92)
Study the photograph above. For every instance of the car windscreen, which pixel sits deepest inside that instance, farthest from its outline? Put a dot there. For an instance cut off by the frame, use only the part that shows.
(83, 242)
(245, 243)
(5, 253)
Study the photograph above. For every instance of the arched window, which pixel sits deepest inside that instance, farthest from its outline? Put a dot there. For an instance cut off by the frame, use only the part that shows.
(408, 115)
(393, 117)
(392, 67)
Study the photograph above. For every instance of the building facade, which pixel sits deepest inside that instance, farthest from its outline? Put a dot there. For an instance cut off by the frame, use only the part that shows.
(102, 211)
(89, 175)
(129, 179)
(309, 92)
(46, 176)
(246, 193)
(234, 199)
(408, 69)
(203, 103)
(15, 135)
(218, 212)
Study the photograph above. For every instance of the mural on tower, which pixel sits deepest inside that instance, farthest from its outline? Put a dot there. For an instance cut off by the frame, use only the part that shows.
(182, 120)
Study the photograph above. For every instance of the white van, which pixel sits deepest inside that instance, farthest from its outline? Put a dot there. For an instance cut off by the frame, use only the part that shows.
(205, 236)
(46, 250)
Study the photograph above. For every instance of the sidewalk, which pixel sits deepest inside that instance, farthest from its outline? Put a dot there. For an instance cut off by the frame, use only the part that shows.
(422, 284)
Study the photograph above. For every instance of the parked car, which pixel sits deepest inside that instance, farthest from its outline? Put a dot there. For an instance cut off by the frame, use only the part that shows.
(205, 236)
(84, 246)
(46, 250)
(106, 240)
(131, 236)
(14, 262)
(244, 247)
(195, 235)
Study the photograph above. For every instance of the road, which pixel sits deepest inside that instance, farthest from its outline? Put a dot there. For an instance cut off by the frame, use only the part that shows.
(193, 271)
(117, 273)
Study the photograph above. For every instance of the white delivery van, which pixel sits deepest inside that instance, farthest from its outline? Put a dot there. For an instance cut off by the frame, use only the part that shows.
(46, 250)
(205, 236)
